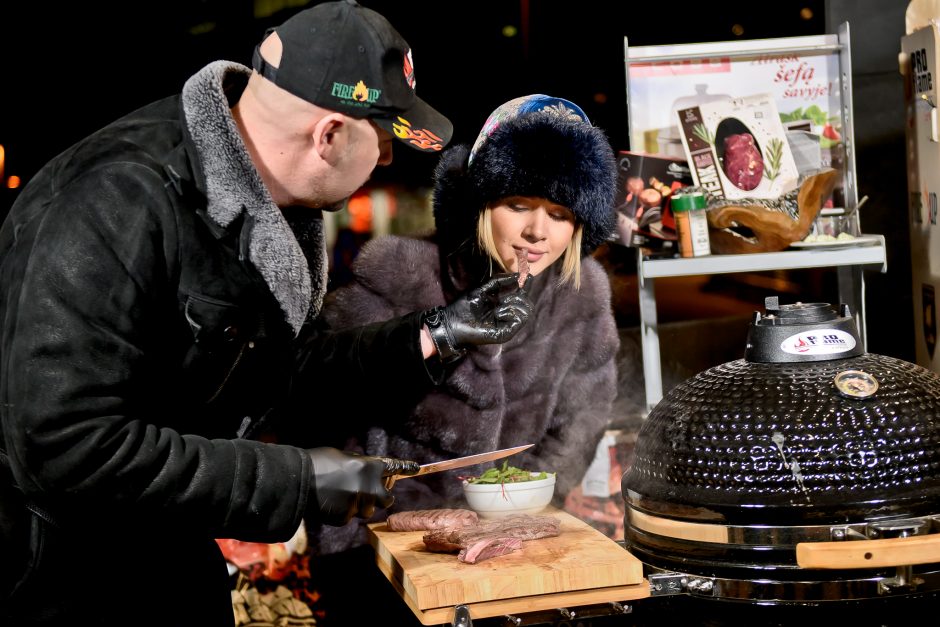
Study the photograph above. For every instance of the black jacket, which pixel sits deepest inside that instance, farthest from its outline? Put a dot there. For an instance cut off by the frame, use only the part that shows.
(157, 309)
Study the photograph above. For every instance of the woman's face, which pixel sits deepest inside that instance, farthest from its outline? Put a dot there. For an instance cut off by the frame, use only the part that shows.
(540, 227)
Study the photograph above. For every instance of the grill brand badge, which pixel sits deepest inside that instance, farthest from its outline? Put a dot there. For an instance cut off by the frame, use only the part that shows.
(818, 342)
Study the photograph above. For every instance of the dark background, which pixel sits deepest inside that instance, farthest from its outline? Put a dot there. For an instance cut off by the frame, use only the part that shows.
(100, 60)
(70, 67)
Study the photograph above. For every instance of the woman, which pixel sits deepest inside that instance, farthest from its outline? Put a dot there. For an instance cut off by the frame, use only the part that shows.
(538, 184)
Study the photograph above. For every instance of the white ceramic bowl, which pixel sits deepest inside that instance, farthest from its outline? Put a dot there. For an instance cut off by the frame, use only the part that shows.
(493, 500)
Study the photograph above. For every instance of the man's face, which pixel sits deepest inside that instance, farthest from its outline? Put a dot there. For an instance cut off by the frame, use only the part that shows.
(324, 178)
(368, 147)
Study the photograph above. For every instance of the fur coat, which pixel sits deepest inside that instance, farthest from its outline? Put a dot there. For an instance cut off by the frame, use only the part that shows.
(552, 385)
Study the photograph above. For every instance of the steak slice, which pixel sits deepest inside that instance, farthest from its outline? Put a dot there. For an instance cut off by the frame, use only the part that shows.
(427, 519)
(522, 257)
(487, 548)
(497, 532)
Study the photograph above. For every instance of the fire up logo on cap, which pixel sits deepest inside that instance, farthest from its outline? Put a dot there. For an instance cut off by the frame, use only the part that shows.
(821, 342)
(357, 95)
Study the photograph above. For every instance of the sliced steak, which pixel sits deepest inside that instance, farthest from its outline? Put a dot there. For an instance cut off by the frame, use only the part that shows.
(490, 547)
(427, 519)
(496, 532)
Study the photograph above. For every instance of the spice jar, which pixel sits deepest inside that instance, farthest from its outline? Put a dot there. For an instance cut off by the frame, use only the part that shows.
(691, 223)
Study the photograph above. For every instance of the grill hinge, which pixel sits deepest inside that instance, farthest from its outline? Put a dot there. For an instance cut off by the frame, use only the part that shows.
(666, 584)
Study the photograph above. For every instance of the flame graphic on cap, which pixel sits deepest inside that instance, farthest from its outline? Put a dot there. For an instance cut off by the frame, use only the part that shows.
(361, 92)
(423, 138)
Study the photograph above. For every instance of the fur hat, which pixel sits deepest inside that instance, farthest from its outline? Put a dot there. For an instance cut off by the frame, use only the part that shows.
(531, 146)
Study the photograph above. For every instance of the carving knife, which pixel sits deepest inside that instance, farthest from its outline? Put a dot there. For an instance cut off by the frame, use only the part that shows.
(391, 477)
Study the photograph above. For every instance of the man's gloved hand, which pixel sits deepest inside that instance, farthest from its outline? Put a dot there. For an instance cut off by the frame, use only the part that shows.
(346, 485)
(395, 466)
(490, 314)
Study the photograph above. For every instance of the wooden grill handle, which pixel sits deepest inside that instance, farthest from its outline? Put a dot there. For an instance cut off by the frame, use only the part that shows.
(869, 553)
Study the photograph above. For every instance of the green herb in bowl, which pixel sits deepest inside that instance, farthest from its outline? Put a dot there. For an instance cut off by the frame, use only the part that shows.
(507, 474)
(508, 490)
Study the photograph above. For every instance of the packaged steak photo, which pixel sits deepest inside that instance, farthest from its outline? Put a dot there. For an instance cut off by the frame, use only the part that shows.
(738, 148)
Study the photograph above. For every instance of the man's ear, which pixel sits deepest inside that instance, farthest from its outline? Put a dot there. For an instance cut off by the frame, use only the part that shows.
(330, 135)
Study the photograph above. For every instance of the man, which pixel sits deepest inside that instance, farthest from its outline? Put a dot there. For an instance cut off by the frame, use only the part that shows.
(160, 282)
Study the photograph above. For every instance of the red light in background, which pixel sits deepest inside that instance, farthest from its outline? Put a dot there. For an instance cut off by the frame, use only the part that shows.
(360, 212)
(12, 182)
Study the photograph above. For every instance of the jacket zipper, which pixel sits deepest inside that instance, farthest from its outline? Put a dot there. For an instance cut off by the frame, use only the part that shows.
(238, 358)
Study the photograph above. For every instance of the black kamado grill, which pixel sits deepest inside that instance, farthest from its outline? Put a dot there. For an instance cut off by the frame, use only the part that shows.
(805, 475)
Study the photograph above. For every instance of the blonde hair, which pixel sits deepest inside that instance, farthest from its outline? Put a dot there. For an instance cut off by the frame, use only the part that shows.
(570, 261)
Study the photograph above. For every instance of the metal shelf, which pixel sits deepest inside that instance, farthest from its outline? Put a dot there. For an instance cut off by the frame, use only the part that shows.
(849, 262)
(869, 254)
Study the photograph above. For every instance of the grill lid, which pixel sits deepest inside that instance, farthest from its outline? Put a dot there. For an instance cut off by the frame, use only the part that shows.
(807, 429)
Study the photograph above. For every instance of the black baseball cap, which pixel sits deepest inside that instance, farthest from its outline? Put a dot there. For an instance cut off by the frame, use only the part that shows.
(347, 58)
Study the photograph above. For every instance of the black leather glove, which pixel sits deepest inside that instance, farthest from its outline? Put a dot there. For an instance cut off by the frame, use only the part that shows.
(399, 466)
(489, 314)
(346, 485)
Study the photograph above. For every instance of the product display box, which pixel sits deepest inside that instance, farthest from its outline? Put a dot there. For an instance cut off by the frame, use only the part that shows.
(645, 185)
(801, 76)
(738, 148)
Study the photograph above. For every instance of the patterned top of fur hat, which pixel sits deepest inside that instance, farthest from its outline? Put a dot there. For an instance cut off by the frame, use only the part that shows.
(523, 106)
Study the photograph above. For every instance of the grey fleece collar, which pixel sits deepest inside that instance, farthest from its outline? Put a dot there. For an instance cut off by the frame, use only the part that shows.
(233, 186)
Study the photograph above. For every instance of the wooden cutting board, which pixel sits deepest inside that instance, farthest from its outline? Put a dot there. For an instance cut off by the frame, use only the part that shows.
(579, 559)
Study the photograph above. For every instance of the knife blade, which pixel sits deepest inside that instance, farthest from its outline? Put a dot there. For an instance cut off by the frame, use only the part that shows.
(458, 462)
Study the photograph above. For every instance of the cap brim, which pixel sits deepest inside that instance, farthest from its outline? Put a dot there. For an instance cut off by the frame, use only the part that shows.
(421, 127)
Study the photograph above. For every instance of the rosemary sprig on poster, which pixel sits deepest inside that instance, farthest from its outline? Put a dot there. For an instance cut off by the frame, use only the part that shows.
(774, 159)
(701, 131)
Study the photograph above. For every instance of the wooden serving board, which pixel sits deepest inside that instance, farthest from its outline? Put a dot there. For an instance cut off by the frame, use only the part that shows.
(580, 561)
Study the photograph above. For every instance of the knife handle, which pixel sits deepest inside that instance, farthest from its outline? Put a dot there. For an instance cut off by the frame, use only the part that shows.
(396, 469)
